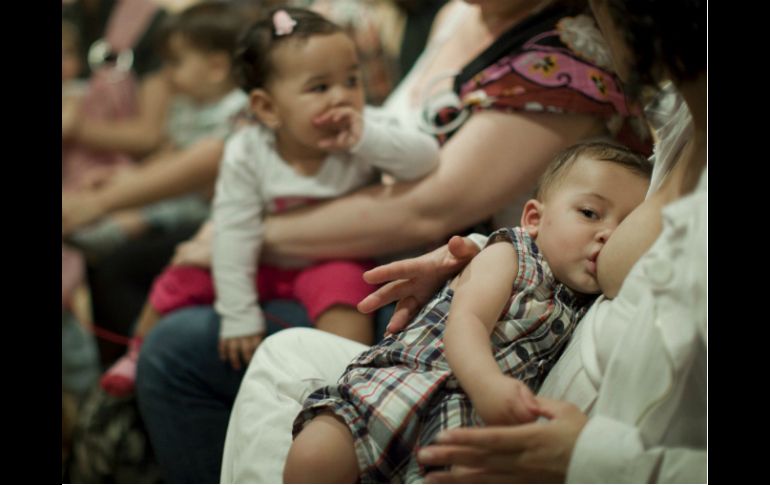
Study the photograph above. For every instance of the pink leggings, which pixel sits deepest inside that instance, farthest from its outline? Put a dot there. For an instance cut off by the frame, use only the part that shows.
(317, 287)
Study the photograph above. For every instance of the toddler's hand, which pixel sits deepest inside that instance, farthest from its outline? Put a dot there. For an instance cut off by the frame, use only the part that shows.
(506, 400)
(193, 253)
(236, 349)
(345, 126)
(196, 251)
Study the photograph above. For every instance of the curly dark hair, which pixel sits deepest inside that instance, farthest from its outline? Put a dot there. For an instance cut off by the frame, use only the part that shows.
(663, 35)
(252, 65)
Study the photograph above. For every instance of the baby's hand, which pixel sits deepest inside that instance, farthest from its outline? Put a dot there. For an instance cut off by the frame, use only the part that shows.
(345, 126)
(505, 400)
(237, 349)
(196, 251)
(193, 253)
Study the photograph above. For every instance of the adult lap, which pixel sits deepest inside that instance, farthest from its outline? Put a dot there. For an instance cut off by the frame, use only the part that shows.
(286, 369)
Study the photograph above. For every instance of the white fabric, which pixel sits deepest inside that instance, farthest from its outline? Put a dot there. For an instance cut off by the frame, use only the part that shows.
(579, 371)
(401, 103)
(254, 181)
(189, 122)
(672, 123)
(637, 432)
(649, 420)
(271, 396)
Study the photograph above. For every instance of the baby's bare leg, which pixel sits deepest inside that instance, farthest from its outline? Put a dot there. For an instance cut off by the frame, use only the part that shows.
(120, 379)
(322, 452)
(347, 322)
(147, 320)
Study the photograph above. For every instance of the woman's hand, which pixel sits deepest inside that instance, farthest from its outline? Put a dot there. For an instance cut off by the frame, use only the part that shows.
(412, 282)
(527, 453)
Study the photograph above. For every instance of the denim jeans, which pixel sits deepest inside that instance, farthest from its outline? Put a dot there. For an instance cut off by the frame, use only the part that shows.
(185, 392)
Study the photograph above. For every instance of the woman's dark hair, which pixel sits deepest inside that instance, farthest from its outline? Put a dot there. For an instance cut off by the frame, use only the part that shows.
(211, 26)
(662, 34)
(252, 63)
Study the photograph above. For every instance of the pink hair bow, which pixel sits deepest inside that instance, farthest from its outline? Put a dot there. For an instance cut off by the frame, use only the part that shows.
(284, 24)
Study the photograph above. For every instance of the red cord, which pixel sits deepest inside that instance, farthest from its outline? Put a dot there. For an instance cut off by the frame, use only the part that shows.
(113, 337)
(278, 321)
(116, 338)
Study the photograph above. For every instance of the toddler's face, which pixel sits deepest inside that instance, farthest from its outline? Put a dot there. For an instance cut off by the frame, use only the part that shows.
(191, 71)
(580, 213)
(310, 77)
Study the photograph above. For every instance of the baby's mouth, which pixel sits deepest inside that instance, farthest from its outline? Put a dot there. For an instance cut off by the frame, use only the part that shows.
(592, 263)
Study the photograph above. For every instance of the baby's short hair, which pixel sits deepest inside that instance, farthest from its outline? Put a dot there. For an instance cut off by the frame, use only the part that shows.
(596, 149)
(209, 26)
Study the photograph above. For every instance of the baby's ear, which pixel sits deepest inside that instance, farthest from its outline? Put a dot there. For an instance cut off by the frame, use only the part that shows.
(531, 217)
(263, 107)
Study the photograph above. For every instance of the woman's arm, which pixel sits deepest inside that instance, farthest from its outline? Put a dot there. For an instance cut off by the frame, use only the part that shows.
(493, 159)
(139, 135)
(481, 292)
(182, 172)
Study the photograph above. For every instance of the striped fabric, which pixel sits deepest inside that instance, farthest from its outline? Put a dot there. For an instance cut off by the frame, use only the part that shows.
(398, 395)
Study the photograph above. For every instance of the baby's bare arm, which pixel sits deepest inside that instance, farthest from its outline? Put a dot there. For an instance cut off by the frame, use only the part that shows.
(481, 292)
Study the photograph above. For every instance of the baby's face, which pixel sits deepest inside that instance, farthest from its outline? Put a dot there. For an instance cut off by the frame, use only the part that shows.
(191, 71)
(580, 213)
(310, 77)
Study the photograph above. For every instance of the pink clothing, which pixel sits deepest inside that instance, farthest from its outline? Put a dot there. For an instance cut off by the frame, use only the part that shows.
(317, 287)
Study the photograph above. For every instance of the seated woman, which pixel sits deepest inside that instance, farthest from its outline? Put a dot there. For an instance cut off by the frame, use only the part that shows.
(525, 109)
(490, 334)
(643, 426)
(637, 365)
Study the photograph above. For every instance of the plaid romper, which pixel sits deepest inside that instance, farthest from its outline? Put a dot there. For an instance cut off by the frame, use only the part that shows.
(399, 394)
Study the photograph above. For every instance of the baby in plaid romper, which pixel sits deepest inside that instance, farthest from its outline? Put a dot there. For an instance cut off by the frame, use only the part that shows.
(525, 292)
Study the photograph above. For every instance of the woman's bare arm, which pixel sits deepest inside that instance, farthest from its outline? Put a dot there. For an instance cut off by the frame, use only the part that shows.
(139, 135)
(494, 158)
(179, 173)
